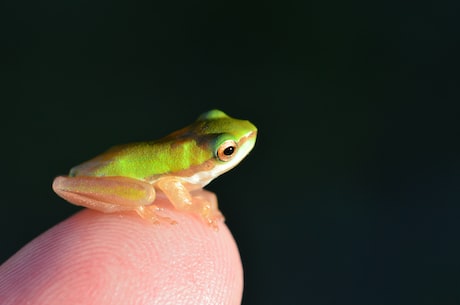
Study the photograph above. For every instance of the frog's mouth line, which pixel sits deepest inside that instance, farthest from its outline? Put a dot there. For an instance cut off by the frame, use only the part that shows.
(251, 136)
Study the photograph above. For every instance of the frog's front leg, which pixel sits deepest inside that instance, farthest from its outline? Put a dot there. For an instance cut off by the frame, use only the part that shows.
(209, 199)
(109, 194)
(201, 202)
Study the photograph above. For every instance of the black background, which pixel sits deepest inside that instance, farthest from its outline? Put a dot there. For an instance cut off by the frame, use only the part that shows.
(351, 195)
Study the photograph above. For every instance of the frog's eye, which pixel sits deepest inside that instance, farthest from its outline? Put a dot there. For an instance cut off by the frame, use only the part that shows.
(226, 150)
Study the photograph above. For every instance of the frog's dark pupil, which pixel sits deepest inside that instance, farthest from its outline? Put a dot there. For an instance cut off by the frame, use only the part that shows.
(229, 150)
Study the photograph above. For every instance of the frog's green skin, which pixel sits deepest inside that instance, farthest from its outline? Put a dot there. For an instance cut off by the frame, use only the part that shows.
(127, 177)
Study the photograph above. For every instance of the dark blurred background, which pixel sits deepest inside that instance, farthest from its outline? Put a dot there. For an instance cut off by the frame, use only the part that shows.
(351, 195)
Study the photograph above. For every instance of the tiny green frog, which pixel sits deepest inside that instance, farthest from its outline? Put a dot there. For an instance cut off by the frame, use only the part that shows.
(129, 177)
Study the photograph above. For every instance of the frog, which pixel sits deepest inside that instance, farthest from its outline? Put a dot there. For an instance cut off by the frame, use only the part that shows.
(130, 177)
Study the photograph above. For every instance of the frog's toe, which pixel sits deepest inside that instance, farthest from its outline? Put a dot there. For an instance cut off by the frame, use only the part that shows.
(219, 216)
(212, 222)
(212, 218)
(151, 214)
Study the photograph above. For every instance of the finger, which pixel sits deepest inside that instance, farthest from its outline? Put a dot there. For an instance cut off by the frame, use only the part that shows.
(96, 258)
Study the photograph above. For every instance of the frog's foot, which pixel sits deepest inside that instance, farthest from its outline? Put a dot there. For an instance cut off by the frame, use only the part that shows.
(200, 202)
(205, 203)
(150, 213)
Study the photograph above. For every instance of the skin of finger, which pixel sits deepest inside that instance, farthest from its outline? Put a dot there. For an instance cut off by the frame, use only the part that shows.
(96, 258)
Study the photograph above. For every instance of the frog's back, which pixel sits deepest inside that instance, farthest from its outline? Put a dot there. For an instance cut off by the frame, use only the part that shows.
(142, 160)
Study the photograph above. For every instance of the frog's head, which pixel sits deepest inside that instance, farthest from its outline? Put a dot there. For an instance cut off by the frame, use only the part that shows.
(229, 139)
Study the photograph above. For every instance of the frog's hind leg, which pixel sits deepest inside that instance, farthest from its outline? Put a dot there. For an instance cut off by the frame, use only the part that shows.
(105, 194)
